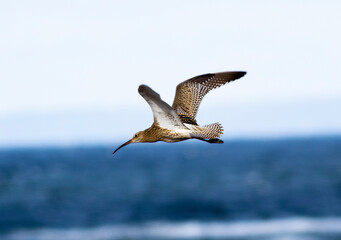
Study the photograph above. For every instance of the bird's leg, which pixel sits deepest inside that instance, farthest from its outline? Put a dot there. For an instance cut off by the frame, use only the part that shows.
(215, 140)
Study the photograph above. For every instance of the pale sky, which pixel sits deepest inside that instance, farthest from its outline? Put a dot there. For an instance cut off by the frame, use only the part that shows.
(58, 57)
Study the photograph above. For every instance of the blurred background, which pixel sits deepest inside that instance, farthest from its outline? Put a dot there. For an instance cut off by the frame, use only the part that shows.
(69, 73)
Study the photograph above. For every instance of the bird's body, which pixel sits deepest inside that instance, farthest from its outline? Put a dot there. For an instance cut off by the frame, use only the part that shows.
(178, 123)
(156, 133)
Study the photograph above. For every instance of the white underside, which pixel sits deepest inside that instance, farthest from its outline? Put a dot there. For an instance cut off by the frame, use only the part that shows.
(164, 114)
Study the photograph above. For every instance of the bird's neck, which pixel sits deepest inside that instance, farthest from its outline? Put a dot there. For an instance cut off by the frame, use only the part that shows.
(153, 134)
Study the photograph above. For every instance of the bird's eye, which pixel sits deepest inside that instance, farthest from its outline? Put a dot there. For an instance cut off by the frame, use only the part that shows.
(135, 135)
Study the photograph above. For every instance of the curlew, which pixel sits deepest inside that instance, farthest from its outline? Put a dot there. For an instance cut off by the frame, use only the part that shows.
(178, 123)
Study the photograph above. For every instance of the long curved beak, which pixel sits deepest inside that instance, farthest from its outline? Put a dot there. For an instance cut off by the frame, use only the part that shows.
(124, 144)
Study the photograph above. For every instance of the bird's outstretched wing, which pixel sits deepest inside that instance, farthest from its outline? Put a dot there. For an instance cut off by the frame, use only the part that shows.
(164, 114)
(190, 93)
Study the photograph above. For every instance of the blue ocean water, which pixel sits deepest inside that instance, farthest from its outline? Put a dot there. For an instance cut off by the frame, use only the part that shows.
(275, 189)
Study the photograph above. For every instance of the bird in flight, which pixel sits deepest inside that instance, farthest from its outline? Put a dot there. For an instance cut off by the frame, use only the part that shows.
(178, 123)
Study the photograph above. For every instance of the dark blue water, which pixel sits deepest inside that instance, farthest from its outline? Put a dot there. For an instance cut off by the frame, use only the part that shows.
(146, 187)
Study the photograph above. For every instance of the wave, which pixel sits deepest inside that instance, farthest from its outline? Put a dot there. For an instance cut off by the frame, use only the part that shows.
(296, 228)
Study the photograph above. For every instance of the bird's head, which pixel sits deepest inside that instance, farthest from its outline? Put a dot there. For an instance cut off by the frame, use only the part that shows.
(138, 137)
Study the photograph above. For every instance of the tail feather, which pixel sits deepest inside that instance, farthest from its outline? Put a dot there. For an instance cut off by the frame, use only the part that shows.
(210, 131)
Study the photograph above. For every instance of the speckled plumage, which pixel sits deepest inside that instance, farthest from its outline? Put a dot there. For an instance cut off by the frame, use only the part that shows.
(178, 123)
(190, 93)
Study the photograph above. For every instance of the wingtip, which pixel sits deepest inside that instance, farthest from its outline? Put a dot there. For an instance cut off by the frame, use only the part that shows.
(146, 91)
(239, 74)
(141, 87)
(231, 76)
(242, 73)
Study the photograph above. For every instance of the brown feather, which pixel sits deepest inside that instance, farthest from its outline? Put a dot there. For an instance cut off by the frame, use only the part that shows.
(190, 93)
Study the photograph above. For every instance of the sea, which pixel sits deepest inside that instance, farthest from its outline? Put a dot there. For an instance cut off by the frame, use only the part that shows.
(244, 189)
